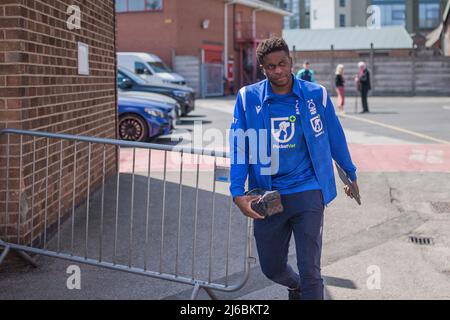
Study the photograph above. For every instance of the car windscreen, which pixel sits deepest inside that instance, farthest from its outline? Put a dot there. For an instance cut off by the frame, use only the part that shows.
(132, 76)
(160, 67)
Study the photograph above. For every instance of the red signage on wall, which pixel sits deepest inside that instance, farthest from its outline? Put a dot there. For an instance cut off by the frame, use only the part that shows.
(230, 70)
(213, 53)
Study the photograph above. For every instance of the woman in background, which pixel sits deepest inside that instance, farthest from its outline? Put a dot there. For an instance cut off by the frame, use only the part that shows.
(340, 87)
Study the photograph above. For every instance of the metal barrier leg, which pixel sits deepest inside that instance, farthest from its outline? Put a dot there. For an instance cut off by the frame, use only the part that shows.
(211, 294)
(27, 258)
(197, 289)
(4, 253)
(21, 254)
(195, 292)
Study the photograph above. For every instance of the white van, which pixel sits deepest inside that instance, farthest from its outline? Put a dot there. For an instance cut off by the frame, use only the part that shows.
(150, 67)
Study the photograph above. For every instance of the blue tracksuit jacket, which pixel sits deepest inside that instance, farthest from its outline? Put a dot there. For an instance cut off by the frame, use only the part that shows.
(323, 133)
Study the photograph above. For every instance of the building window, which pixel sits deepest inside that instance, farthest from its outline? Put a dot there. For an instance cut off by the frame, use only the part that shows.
(398, 16)
(393, 15)
(138, 5)
(121, 5)
(307, 22)
(342, 20)
(393, 12)
(429, 15)
(342, 3)
(301, 14)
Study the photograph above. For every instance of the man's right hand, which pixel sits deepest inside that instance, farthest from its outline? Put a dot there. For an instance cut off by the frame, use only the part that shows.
(244, 204)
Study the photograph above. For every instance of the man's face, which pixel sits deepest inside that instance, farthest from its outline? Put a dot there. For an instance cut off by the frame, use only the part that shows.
(278, 68)
(306, 66)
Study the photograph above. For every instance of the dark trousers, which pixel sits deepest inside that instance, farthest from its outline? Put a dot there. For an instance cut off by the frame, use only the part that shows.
(303, 217)
(364, 94)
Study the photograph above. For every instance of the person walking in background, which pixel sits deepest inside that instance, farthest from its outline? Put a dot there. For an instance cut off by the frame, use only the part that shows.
(306, 73)
(340, 87)
(363, 84)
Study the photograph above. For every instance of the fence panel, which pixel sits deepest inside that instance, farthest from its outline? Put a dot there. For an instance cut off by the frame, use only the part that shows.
(165, 214)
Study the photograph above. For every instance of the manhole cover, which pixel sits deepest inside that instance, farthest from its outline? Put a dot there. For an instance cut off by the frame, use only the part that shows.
(421, 240)
(440, 207)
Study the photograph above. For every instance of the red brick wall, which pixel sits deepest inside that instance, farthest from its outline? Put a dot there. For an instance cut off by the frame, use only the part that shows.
(40, 89)
(190, 35)
(153, 32)
(178, 27)
(267, 25)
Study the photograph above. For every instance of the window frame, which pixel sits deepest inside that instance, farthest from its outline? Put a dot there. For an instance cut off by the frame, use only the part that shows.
(342, 20)
(146, 9)
(427, 19)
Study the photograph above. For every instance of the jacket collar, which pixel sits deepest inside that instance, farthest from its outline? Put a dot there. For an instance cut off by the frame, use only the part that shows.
(266, 93)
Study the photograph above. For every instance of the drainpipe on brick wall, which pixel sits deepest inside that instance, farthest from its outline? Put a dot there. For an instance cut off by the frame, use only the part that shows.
(255, 63)
(116, 124)
(225, 38)
(254, 22)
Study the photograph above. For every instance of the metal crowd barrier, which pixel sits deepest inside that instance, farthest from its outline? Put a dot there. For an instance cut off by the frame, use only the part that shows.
(141, 235)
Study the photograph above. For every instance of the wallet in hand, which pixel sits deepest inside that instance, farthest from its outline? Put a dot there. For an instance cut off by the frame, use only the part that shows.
(268, 203)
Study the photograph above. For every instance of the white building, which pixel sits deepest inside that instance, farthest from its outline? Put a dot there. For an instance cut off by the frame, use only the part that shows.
(329, 14)
(417, 16)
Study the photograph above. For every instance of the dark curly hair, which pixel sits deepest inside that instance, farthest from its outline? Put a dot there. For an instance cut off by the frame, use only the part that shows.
(271, 45)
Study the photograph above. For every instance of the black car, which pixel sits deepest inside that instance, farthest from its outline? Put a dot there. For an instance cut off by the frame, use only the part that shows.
(127, 80)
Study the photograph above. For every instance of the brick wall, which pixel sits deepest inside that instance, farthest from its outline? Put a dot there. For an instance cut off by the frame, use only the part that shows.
(153, 32)
(178, 27)
(40, 89)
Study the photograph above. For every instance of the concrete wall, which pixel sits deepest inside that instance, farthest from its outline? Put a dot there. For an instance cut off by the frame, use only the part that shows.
(346, 11)
(359, 12)
(323, 14)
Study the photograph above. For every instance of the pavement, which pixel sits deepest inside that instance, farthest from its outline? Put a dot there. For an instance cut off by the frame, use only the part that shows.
(403, 159)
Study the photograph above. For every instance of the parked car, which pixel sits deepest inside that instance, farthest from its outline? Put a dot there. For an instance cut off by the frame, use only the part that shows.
(150, 67)
(154, 97)
(141, 120)
(128, 81)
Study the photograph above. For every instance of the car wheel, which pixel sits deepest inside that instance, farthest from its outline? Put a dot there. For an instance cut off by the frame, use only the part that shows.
(133, 128)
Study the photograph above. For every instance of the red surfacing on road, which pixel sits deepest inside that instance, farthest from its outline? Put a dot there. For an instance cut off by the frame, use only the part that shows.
(173, 161)
(401, 158)
(367, 158)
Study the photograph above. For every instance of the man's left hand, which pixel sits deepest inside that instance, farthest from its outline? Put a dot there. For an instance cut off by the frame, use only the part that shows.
(347, 189)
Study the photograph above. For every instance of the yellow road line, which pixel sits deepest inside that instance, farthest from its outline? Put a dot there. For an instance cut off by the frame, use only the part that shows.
(413, 133)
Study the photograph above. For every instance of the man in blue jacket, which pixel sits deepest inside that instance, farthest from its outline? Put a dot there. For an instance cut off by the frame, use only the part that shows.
(284, 136)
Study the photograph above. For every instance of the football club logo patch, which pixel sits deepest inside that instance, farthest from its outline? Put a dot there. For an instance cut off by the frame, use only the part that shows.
(283, 129)
(317, 124)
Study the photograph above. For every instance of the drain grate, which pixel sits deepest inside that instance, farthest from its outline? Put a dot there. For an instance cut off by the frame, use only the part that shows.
(440, 207)
(421, 240)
